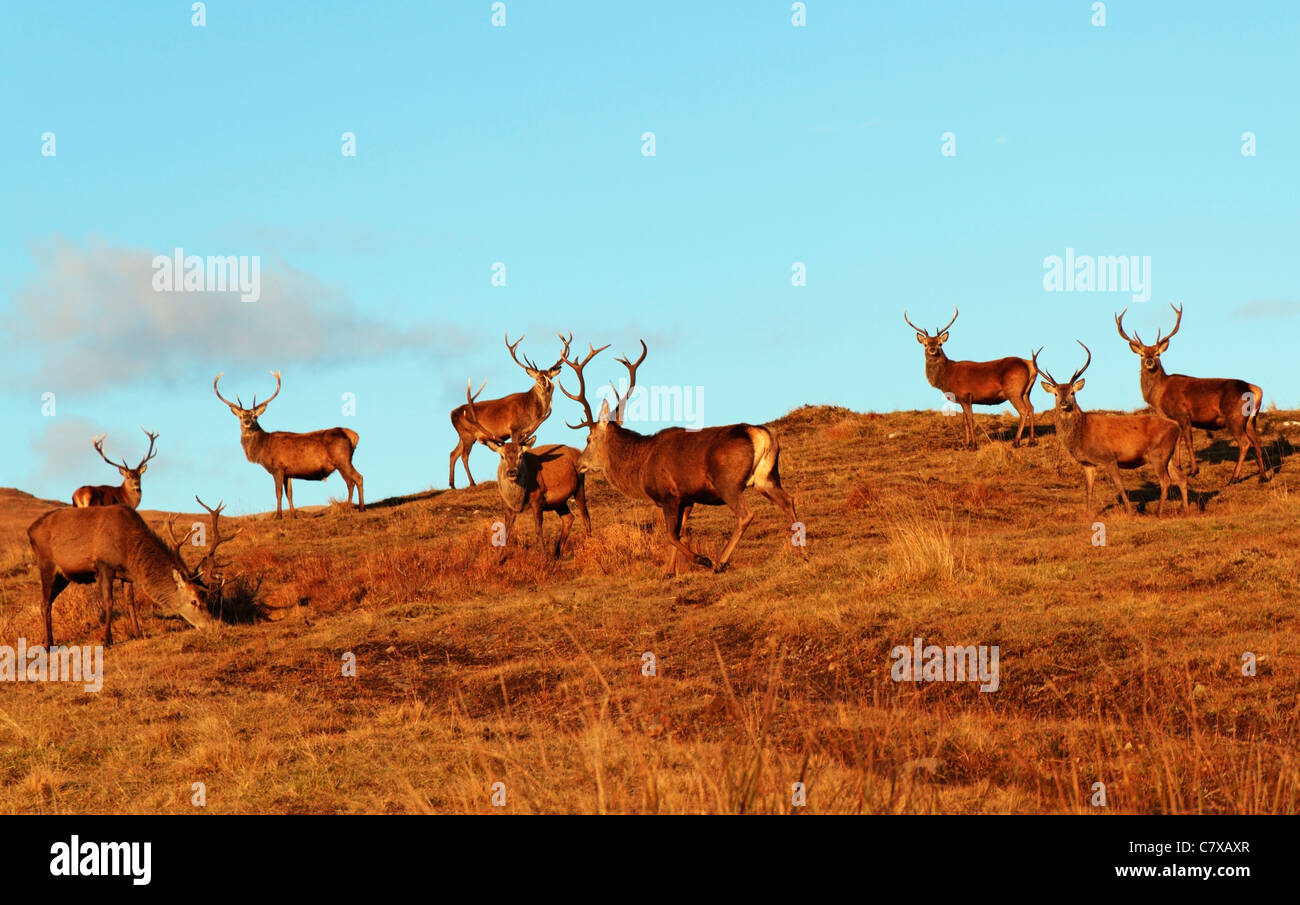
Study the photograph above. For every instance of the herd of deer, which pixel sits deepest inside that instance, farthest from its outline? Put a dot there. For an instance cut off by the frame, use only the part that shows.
(1110, 442)
(103, 540)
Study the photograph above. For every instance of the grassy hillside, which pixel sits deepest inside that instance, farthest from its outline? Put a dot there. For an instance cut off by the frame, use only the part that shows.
(1119, 663)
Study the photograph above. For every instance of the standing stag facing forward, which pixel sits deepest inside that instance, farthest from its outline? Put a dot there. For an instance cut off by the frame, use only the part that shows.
(311, 456)
(970, 383)
(1210, 403)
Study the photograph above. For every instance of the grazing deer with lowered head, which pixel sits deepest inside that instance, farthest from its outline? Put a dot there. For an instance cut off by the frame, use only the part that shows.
(1210, 403)
(1113, 442)
(499, 419)
(971, 383)
(677, 469)
(539, 479)
(100, 543)
(128, 494)
(311, 456)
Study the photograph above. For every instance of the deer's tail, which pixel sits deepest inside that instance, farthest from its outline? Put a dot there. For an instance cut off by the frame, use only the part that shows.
(353, 437)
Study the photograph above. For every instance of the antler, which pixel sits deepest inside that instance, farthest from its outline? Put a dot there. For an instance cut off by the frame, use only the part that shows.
(148, 455)
(582, 387)
(914, 326)
(565, 353)
(955, 312)
(99, 448)
(631, 368)
(1079, 373)
(178, 544)
(1119, 325)
(530, 365)
(217, 540)
(1178, 323)
(239, 403)
(278, 385)
(472, 416)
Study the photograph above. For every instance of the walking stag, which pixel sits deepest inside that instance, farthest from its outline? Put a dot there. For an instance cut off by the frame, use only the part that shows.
(677, 469)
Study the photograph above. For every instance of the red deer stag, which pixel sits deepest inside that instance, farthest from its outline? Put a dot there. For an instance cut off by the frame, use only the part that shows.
(979, 382)
(312, 456)
(126, 495)
(676, 469)
(1210, 403)
(499, 419)
(207, 568)
(1113, 442)
(539, 479)
(100, 543)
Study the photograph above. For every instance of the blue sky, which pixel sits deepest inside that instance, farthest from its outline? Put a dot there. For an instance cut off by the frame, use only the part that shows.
(477, 144)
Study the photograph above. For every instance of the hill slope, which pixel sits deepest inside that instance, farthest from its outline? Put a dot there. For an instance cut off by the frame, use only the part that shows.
(1119, 663)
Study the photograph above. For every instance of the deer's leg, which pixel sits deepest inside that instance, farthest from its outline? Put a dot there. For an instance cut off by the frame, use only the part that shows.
(1193, 468)
(1180, 479)
(1089, 476)
(968, 418)
(673, 519)
(279, 492)
(743, 518)
(581, 497)
(451, 472)
(1021, 405)
(288, 492)
(52, 584)
(785, 503)
(1162, 476)
(104, 579)
(130, 605)
(566, 523)
(1252, 434)
(510, 524)
(352, 478)
(462, 450)
(538, 509)
(1113, 468)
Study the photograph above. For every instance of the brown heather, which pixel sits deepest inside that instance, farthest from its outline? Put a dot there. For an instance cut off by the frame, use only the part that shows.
(1119, 664)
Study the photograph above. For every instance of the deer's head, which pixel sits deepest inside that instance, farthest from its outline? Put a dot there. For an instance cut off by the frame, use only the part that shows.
(130, 476)
(595, 456)
(933, 343)
(543, 378)
(1064, 392)
(248, 416)
(1150, 354)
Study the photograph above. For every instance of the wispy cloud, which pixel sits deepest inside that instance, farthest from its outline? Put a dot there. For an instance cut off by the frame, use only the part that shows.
(1258, 308)
(91, 319)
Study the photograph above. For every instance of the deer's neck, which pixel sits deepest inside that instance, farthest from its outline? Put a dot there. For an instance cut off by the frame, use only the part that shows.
(513, 493)
(1153, 383)
(627, 455)
(1070, 426)
(936, 369)
(542, 402)
(252, 439)
(150, 564)
(131, 497)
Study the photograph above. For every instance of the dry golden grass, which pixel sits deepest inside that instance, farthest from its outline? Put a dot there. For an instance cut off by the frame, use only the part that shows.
(1119, 663)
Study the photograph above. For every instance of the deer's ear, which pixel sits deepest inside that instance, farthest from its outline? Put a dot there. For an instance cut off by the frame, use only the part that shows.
(1163, 347)
(179, 579)
(603, 417)
(1135, 346)
(528, 444)
(122, 471)
(143, 469)
(492, 444)
(257, 412)
(1050, 387)
(944, 338)
(234, 410)
(555, 371)
(1078, 385)
(920, 337)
